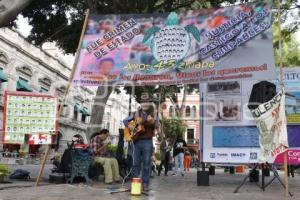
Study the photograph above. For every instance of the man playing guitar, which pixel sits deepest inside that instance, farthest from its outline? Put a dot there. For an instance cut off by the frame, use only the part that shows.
(143, 144)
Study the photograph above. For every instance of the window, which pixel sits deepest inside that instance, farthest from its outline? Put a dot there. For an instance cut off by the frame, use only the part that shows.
(45, 84)
(107, 125)
(194, 111)
(23, 79)
(76, 111)
(3, 58)
(190, 136)
(188, 111)
(44, 90)
(75, 114)
(83, 117)
(22, 85)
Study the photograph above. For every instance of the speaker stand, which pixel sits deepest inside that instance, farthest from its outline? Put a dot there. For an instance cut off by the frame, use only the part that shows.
(263, 184)
(245, 179)
(276, 176)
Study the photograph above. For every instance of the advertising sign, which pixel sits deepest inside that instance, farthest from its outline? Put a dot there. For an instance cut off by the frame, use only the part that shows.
(28, 113)
(182, 47)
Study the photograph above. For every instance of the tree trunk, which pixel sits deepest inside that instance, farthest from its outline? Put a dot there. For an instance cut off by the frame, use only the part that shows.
(102, 95)
(10, 9)
(182, 108)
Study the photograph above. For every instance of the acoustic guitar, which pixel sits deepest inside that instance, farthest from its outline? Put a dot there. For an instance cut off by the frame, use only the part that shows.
(134, 129)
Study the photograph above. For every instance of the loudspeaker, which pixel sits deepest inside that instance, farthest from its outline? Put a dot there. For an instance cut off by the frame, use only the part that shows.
(261, 92)
(254, 176)
(202, 178)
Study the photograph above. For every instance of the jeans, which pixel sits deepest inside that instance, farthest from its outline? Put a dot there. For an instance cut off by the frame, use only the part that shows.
(142, 157)
(179, 163)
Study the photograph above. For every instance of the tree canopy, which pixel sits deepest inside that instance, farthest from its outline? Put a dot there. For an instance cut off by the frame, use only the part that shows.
(61, 21)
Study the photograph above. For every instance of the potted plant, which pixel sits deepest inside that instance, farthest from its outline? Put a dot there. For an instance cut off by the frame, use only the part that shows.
(112, 150)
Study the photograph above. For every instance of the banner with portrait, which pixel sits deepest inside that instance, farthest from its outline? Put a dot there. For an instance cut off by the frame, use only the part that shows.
(220, 44)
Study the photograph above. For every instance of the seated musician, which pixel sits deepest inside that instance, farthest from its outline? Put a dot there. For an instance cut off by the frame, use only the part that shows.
(142, 141)
(99, 144)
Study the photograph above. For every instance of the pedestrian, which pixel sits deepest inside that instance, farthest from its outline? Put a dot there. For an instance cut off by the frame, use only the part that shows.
(187, 161)
(165, 148)
(178, 154)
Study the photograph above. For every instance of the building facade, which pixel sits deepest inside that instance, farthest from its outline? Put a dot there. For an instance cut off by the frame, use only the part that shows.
(191, 113)
(29, 68)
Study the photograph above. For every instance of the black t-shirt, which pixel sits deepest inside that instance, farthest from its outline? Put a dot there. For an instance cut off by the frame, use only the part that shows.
(178, 147)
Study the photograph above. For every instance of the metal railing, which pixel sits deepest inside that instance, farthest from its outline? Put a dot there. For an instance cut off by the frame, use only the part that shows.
(192, 141)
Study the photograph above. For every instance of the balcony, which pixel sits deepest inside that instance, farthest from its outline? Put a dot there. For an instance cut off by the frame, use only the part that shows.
(192, 141)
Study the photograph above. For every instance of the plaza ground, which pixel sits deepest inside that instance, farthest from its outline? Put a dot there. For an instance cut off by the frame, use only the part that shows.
(221, 187)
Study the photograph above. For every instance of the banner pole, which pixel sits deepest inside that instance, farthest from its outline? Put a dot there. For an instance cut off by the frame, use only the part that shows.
(286, 178)
(280, 43)
(66, 92)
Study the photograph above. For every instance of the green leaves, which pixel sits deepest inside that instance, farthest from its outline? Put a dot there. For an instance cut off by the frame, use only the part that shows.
(173, 127)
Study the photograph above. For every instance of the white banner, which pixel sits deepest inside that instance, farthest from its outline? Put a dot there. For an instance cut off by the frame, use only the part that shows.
(271, 122)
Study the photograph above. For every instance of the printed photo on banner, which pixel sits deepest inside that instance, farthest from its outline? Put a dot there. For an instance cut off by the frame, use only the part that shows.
(224, 109)
(227, 87)
(292, 107)
(178, 47)
(29, 113)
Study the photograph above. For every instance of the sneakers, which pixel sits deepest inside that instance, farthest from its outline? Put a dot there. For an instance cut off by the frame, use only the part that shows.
(174, 174)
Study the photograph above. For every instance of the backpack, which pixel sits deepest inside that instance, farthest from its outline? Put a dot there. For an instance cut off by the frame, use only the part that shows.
(20, 174)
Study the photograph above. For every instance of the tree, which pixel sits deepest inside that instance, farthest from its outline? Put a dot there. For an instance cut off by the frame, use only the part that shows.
(61, 21)
(173, 127)
(290, 48)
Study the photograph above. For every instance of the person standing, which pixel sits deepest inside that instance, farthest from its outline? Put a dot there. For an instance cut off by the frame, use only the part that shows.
(165, 148)
(99, 144)
(187, 161)
(178, 154)
(142, 142)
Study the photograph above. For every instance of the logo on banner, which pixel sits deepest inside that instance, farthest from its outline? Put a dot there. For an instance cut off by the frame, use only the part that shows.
(253, 156)
(238, 155)
(222, 156)
(172, 42)
(271, 122)
(212, 155)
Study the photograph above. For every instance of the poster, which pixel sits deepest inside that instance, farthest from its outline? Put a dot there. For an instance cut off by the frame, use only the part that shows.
(28, 114)
(271, 122)
(293, 107)
(173, 48)
(224, 109)
(238, 141)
